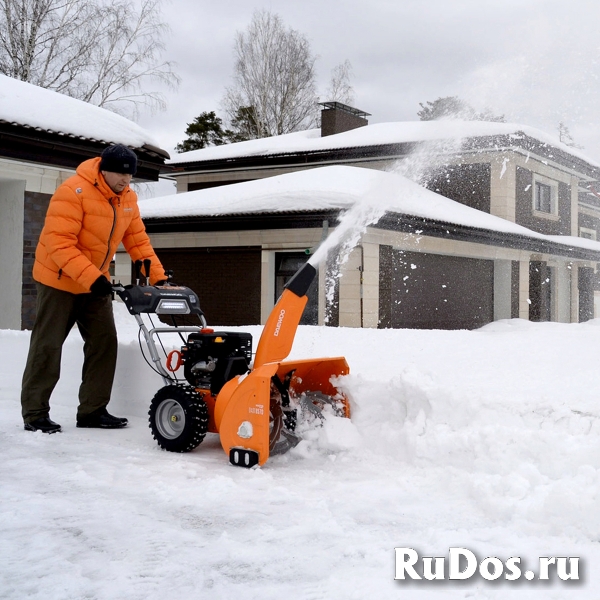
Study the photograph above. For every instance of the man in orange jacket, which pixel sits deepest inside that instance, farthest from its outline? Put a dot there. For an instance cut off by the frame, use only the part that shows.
(89, 215)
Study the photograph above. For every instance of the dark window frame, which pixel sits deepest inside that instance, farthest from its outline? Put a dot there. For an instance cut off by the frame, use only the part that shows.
(543, 198)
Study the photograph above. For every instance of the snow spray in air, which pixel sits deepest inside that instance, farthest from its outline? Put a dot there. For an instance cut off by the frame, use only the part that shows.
(335, 250)
(339, 244)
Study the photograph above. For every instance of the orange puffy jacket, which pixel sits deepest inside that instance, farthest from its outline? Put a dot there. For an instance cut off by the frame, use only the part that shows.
(85, 223)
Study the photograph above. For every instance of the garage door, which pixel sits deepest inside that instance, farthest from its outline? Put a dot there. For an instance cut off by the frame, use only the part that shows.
(227, 281)
(431, 291)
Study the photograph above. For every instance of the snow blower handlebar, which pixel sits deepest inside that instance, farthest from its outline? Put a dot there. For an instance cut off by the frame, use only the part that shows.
(161, 300)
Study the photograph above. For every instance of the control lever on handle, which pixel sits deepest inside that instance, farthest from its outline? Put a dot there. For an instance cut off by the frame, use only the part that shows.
(138, 271)
(147, 264)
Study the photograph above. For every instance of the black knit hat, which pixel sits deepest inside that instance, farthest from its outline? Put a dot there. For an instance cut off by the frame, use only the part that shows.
(118, 159)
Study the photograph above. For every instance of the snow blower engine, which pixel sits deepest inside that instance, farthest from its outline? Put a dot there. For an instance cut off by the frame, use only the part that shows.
(253, 405)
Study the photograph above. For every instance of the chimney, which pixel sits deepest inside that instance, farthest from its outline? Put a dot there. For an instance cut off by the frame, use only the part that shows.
(337, 118)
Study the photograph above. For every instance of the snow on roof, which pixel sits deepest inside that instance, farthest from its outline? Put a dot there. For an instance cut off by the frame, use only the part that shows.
(28, 105)
(370, 135)
(336, 187)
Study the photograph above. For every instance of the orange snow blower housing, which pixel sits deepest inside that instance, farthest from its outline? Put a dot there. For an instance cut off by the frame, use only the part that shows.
(248, 408)
(253, 406)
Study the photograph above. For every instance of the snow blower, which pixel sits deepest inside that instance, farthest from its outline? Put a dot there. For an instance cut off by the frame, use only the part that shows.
(253, 405)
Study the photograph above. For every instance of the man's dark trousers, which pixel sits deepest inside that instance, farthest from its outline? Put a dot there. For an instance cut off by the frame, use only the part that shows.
(57, 312)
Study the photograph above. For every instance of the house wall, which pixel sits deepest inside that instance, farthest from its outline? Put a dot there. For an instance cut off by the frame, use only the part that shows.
(187, 182)
(469, 184)
(25, 190)
(501, 183)
(511, 197)
(11, 246)
(588, 225)
(358, 287)
(234, 272)
(35, 207)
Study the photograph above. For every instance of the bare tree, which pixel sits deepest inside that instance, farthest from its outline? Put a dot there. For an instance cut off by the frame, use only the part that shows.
(340, 89)
(564, 135)
(100, 51)
(274, 77)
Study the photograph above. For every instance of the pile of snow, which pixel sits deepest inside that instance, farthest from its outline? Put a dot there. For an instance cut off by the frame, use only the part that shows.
(486, 440)
(373, 135)
(26, 104)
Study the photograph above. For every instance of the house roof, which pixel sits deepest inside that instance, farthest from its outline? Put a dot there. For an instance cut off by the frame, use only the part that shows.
(398, 138)
(40, 125)
(388, 200)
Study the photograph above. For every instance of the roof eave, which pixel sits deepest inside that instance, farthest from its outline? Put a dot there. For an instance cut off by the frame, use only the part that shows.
(493, 143)
(28, 144)
(391, 221)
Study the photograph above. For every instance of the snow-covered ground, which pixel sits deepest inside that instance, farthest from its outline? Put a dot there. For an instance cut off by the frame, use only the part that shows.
(487, 440)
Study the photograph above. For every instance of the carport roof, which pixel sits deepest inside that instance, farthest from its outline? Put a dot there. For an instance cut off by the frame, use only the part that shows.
(385, 200)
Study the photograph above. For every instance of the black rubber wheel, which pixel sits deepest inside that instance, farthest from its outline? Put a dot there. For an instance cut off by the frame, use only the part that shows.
(178, 418)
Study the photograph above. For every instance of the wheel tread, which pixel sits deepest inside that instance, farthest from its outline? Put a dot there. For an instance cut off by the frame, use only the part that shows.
(196, 414)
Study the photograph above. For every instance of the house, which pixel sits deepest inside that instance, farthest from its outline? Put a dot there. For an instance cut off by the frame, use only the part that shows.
(517, 174)
(43, 137)
(420, 260)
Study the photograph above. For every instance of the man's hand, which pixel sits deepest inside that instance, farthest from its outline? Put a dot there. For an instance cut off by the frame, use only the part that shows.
(101, 287)
(166, 281)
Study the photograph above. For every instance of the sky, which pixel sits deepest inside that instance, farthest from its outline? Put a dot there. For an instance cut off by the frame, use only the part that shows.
(537, 63)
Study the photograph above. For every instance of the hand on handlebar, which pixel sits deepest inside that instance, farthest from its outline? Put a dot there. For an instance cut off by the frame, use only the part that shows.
(101, 287)
(166, 281)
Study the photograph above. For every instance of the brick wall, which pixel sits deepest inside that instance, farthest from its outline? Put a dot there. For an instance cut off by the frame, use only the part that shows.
(35, 207)
(467, 184)
(524, 208)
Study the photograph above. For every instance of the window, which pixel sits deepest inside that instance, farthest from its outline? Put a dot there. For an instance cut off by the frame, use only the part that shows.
(286, 266)
(588, 234)
(545, 196)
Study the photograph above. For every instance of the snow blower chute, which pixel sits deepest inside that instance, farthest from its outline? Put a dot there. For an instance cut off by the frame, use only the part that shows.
(253, 406)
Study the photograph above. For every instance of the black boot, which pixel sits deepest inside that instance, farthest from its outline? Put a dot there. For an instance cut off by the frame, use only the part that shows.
(102, 419)
(43, 424)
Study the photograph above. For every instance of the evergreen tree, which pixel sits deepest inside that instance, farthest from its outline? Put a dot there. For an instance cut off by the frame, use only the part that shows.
(243, 125)
(205, 130)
